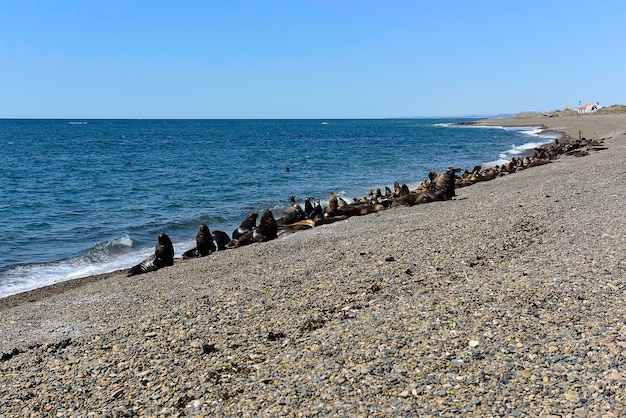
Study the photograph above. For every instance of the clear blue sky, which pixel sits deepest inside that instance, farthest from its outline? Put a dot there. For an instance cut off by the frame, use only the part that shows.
(307, 59)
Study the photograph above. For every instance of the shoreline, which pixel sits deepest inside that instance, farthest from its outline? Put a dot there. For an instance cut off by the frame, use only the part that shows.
(507, 300)
(120, 246)
(65, 285)
(60, 284)
(601, 126)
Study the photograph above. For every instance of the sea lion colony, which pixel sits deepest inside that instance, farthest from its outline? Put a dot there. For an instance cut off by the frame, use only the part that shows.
(438, 187)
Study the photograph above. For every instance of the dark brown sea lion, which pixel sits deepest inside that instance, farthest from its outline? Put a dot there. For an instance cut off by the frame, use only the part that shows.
(442, 184)
(221, 240)
(440, 187)
(308, 207)
(317, 210)
(360, 209)
(266, 231)
(416, 198)
(246, 225)
(486, 175)
(204, 244)
(163, 256)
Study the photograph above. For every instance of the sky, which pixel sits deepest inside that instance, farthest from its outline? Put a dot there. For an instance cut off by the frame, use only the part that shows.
(322, 59)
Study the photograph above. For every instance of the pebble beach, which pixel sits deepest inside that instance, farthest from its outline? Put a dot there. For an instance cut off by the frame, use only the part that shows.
(507, 301)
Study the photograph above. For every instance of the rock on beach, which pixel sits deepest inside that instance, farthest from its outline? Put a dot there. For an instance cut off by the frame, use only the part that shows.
(508, 300)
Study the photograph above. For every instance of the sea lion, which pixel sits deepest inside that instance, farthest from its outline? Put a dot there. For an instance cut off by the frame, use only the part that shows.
(440, 187)
(487, 174)
(442, 184)
(220, 239)
(163, 256)
(539, 161)
(300, 212)
(396, 188)
(411, 199)
(359, 209)
(333, 204)
(204, 244)
(246, 225)
(317, 210)
(341, 202)
(266, 231)
(292, 214)
(308, 207)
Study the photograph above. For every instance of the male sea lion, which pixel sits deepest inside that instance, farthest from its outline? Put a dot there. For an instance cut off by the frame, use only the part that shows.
(204, 244)
(163, 256)
(246, 226)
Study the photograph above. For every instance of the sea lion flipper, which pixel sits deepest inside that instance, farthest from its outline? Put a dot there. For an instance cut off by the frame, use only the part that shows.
(145, 266)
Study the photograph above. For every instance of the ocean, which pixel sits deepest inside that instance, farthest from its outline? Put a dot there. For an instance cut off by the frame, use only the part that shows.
(83, 197)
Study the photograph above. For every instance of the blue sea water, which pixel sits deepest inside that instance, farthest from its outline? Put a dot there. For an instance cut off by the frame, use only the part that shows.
(82, 197)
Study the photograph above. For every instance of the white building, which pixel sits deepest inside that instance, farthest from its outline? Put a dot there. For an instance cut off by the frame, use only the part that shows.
(588, 108)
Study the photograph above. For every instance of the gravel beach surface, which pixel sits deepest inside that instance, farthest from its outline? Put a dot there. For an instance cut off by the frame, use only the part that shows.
(509, 300)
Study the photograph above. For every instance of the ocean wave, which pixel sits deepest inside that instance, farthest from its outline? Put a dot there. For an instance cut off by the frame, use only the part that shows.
(516, 151)
(108, 249)
(107, 256)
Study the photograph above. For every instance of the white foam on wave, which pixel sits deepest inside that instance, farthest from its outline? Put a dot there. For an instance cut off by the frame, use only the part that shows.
(105, 257)
(537, 136)
(24, 278)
